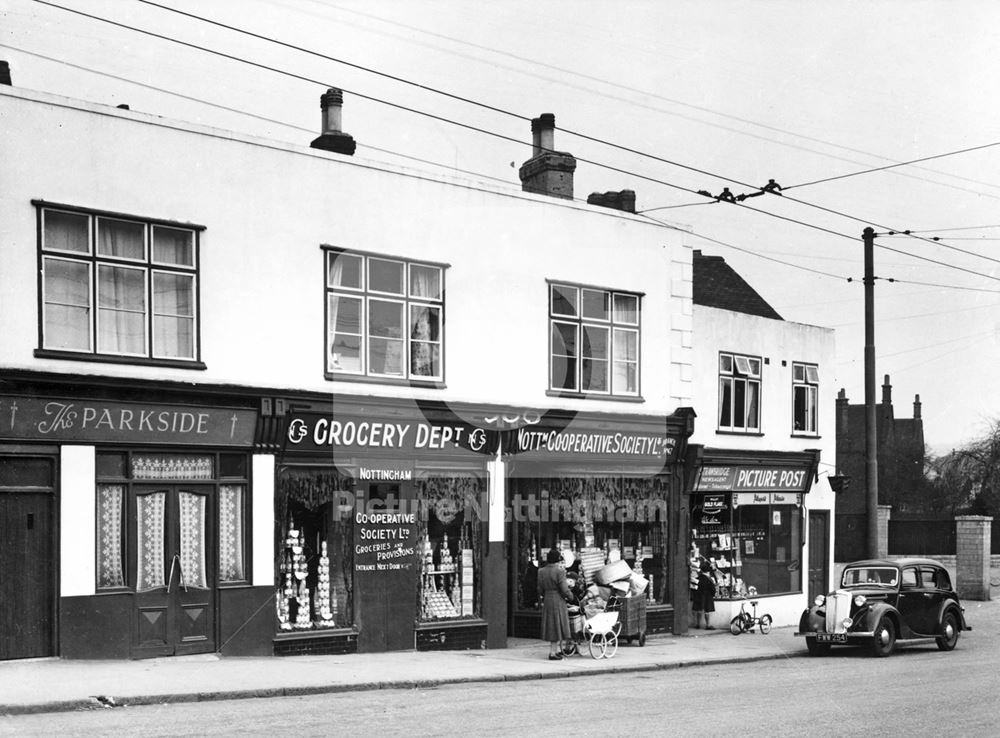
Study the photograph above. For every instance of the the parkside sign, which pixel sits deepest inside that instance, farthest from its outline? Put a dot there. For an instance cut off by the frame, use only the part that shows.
(752, 478)
(310, 433)
(99, 421)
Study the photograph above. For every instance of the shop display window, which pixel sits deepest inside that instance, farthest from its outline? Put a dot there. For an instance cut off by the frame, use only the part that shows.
(751, 545)
(315, 558)
(593, 521)
(450, 541)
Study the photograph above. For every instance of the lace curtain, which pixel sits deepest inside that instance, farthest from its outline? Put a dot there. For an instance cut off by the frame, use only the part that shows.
(231, 568)
(110, 572)
(192, 553)
(149, 541)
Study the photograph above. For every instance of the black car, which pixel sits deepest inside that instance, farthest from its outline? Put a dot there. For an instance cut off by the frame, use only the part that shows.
(881, 604)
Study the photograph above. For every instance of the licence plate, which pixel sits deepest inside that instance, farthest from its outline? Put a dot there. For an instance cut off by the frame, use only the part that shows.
(831, 638)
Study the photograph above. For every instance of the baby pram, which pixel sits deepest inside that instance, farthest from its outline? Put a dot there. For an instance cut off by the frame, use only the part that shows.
(599, 631)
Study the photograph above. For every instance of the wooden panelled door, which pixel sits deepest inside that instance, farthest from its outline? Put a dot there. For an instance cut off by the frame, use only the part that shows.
(175, 570)
(27, 590)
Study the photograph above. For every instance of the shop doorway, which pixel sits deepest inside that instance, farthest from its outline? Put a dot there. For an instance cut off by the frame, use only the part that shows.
(819, 553)
(175, 570)
(27, 557)
(26, 569)
(385, 598)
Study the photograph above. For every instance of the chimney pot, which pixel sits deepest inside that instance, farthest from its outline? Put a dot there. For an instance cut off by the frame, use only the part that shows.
(916, 407)
(886, 392)
(332, 136)
(547, 172)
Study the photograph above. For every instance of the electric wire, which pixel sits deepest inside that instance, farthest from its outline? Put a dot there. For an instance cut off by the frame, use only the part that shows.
(518, 141)
(887, 166)
(519, 116)
(255, 116)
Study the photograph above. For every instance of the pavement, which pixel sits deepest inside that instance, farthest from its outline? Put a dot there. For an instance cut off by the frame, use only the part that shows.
(58, 685)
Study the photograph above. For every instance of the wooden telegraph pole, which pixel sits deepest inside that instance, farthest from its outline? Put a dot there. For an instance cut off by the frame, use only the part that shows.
(871, 429)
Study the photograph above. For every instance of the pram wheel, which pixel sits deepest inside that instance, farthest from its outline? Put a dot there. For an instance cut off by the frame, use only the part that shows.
(570, 647)
(603, 645)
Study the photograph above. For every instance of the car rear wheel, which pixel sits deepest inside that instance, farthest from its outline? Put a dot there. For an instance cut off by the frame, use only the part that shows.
(949, 632)
(816, 648)
(885, 637)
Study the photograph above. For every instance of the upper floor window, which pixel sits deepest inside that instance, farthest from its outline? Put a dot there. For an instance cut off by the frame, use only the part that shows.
(118, 286)
(739, 393)
(805, 397)
(384, 317)
(593, 340)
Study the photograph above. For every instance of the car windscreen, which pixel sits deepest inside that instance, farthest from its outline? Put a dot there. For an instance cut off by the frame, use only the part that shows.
(868, 576)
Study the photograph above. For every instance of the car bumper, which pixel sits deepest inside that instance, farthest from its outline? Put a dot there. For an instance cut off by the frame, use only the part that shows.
(824, 637)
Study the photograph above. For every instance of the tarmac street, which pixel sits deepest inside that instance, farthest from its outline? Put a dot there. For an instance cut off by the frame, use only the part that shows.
(52, 685)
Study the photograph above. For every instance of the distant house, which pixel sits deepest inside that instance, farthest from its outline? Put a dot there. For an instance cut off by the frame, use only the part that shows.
(900, 465)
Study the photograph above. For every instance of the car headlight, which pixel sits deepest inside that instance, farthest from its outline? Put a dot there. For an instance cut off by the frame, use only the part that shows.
(819, 601)
(859, 600)
(847, 623)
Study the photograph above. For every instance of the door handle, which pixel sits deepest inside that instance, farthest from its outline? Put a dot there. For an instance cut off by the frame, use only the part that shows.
(170, 578)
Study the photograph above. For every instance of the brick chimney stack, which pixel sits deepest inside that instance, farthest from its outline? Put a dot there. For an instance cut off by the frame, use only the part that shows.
(332, 137)
(886, 392)
(547, 172)
(916, 407)
(842, 413)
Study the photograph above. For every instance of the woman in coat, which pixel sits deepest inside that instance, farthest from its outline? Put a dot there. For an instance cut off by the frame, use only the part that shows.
(554, 590)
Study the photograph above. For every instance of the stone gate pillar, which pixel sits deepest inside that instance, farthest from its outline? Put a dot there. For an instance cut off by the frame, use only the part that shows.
(972, 548)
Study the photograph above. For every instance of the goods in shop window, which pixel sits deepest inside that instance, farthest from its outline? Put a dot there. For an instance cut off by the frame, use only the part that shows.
(323, 589)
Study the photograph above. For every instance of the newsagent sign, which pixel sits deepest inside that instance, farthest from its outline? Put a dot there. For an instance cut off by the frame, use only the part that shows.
(101, 421)
(314, 432)
(740, 478)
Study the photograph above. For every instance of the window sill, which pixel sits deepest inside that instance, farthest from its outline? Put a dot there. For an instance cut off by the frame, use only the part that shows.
(805, 435)
(591, 396)
(752, 434)
(131, 360)
(386, 381)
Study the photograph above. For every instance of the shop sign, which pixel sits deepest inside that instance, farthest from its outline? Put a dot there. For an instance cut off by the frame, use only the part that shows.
(578, 442)
(712, 507)
(100, 421)
(311, 433)
(767, 498)
(752, 478)
(385, 541)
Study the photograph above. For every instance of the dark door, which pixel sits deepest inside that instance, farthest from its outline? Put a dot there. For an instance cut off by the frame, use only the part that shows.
(174, 564)
(385, 586)
(819, 553)
(27, 582)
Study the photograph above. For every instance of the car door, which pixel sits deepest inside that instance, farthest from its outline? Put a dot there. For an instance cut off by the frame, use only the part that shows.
(911, 600)
(926, 620)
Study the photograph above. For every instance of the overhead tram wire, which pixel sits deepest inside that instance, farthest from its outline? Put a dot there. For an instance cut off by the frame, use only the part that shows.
(255, 116)
(493, 133)
(578, 134)
(888, 166)
(415, 111)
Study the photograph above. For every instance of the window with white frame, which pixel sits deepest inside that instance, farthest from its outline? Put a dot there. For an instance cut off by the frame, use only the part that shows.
(805, 397)
(739, 393)
(384, 316)
(118, 286)
(593, 340)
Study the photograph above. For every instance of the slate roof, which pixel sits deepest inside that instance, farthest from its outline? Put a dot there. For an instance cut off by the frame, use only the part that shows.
(718, 285)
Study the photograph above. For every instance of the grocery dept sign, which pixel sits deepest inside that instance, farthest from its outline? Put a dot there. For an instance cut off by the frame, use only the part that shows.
(317, 433)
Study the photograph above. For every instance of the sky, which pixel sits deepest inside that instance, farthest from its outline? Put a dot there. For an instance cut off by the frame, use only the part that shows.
(835, 101)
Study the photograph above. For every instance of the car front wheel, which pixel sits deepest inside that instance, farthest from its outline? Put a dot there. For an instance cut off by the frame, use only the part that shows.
(885, 637)
(949, 632)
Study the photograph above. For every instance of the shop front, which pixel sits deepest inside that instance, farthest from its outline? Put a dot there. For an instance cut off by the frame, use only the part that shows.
(129, 522)
(748, 512)
(599, 488)
(382, 513)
